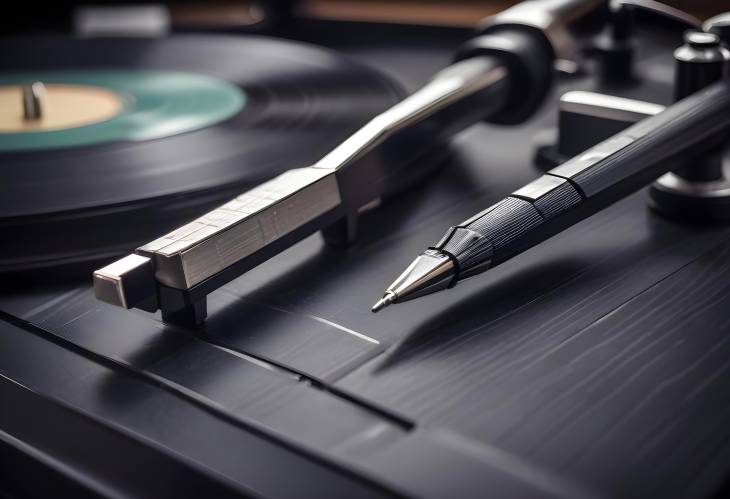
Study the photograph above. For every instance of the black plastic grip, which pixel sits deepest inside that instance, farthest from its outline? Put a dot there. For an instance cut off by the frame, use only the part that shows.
(654, 145)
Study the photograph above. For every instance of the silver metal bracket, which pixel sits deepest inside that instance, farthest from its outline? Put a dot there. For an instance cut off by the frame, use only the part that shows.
(587, 118)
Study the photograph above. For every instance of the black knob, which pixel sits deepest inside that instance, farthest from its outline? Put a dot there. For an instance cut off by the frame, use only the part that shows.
(615, 46)
(697, 191)
(700, 61)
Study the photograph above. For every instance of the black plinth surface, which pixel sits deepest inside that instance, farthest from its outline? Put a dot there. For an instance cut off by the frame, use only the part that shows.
(594, 365)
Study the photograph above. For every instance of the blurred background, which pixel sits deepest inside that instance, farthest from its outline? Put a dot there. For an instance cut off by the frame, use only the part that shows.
(232, 14)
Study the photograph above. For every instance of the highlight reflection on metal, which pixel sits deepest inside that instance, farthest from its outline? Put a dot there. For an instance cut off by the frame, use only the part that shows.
(607, 106)
(430, 272)
(538, 188)
(661, 9)
(448, 86)
(552, 17)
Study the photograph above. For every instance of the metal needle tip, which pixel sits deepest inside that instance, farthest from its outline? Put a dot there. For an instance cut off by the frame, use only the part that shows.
(386, 300)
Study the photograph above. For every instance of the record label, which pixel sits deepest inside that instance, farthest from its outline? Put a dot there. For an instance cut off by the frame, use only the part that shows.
(87, 107)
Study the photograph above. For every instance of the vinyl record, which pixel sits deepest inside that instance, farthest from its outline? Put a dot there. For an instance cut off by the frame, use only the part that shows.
(139, 135)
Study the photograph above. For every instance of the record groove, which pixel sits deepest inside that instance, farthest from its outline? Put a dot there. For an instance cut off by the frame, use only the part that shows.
(90, 202)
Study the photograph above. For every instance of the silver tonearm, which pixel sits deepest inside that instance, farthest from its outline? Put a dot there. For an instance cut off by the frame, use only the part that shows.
(175, 272)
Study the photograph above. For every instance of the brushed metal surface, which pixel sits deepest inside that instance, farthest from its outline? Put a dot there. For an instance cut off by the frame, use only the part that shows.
(242, 226)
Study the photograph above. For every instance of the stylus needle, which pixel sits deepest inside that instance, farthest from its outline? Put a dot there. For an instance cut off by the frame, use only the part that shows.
(428, 273)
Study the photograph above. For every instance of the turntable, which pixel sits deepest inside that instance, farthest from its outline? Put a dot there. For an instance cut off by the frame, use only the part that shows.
(592, 365)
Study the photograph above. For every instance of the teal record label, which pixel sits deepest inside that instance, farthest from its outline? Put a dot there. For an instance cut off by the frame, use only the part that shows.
(154, 104)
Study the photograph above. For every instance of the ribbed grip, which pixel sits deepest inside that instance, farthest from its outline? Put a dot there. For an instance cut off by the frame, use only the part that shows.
(468, 247)
(503, 225)
(557, 200)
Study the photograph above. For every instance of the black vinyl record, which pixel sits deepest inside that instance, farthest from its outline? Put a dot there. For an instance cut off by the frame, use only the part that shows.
(77, 204)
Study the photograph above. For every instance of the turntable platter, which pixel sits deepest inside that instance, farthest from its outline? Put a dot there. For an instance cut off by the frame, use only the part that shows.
(199, 118)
